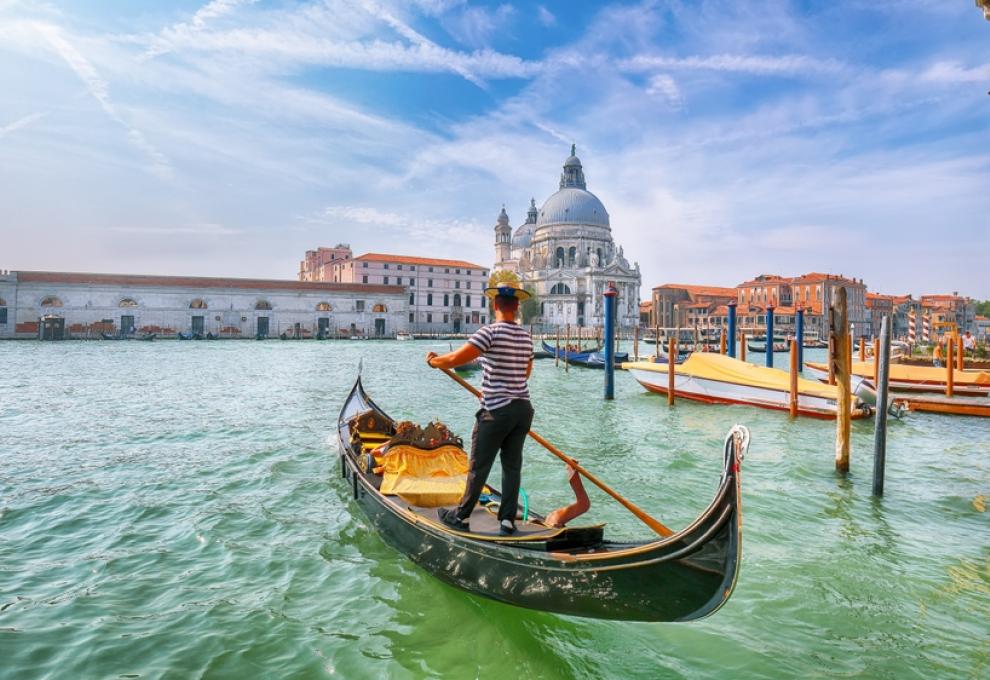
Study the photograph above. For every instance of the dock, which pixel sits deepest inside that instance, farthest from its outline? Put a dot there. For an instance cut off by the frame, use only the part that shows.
(934, 403)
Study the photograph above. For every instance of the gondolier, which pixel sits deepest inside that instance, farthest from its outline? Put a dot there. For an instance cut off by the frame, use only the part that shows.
(501, 425)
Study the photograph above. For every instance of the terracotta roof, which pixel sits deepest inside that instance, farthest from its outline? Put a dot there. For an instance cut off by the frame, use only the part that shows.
(817, 277)
(425, 261)
(944, 298)
(763, 279)
(81, 278)
(645, 306)
(713, 291)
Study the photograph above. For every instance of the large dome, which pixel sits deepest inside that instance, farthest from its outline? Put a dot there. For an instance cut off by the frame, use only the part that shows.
(572, 205)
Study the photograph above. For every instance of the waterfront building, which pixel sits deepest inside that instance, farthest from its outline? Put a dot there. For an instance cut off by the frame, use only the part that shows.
(812, 292)
(564, 252)
(442, 295)
(318, 264)
(953, 308)
(63, 304)
(677, 305)
(878, 306)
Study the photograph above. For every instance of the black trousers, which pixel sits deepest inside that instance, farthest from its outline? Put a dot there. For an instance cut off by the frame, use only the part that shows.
(503, 429)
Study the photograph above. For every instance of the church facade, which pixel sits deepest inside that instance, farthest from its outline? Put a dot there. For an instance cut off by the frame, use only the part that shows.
(565, 253)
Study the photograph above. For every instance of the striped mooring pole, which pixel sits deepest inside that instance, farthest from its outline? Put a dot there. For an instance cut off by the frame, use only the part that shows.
(610, 293)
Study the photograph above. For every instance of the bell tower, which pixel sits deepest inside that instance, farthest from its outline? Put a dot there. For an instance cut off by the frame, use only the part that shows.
(503, 238)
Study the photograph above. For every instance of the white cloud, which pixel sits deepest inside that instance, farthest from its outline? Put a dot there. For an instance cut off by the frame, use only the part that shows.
(99, 89)
(793, 64)
(477, 26)
(545, 16)
(665, 86)
(24, 121)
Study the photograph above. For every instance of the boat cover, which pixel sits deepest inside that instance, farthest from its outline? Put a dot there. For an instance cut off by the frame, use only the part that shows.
(725, 369)
(428, 478)
(927, 374)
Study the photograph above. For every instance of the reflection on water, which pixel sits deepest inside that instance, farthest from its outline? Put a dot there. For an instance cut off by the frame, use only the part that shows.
(174, 508)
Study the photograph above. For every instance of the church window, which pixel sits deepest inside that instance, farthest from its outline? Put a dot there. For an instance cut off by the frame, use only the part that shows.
(571, 255)
(558, 260)
(560, 289)
(457, 299)
(601, 258)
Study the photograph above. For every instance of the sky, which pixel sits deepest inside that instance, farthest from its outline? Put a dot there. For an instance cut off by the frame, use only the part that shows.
(726, 139)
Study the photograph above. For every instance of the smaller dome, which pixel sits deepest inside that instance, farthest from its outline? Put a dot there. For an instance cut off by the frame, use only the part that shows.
(503, 218)
(523, 235)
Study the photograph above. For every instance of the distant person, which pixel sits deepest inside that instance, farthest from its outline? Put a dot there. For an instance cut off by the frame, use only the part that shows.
(581, 504)
(506, 413)
(969, 343)
(937, 355)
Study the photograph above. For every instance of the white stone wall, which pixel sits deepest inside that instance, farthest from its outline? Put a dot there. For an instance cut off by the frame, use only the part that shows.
(169, 307)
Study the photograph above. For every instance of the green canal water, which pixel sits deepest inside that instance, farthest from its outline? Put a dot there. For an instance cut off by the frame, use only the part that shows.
(174, 509)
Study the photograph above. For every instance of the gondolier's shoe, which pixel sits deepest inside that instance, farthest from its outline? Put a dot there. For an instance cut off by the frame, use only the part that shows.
(506, 527)
(448, 517)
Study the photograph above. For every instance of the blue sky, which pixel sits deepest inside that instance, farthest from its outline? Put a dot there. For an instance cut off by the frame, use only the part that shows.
(726, 138)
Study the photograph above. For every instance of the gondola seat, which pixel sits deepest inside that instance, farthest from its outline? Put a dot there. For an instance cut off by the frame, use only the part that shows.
(427, 478)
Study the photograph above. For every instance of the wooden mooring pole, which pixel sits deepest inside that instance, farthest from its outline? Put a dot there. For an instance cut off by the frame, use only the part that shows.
(656, 340)
(567, 347)
(959, 354)
(636, 342)
(882, 357)
(556, 353)
(840, 360)
(793, 402)
(671, 363)
(724, 344)
(742, 346)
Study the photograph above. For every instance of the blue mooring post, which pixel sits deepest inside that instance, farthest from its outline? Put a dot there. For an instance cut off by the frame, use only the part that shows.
(770, 336)
(610, 293)
(799, 331)
(731, 344)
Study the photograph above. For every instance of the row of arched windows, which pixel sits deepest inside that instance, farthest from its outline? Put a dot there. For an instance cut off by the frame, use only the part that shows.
(198, 303)
(560, 289)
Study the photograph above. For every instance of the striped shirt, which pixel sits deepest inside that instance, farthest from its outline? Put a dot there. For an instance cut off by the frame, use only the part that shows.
(506, 349)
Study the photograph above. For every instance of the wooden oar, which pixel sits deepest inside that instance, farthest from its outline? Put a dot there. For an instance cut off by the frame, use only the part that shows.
(645, 518)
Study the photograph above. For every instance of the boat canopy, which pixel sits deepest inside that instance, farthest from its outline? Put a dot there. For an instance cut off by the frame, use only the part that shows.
(725, 369)
(919, 374)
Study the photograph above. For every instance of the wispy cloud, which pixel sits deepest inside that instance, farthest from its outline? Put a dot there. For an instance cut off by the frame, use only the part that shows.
(100, 91)
(215, 9)
(787, 65)
(476, 26)
(20, 123)
(545, 16)
(665, 86)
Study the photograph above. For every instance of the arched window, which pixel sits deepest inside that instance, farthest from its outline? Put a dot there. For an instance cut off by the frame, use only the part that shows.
(51, 301)
(262, 305)
(601, 257)
(558, 260)
(198, 303)
(457, 299)
(324, 307)
(571, 255)
(560, 289)
(446, 300)
(379, 308)
(127, 302)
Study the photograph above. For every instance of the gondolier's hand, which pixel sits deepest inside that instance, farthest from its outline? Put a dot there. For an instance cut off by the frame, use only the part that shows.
(430, 356)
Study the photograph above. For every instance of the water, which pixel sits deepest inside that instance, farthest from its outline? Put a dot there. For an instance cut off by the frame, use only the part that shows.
(173, 509)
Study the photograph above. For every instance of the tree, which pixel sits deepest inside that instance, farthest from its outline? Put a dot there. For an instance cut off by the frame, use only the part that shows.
(983, 308)
(530, 309)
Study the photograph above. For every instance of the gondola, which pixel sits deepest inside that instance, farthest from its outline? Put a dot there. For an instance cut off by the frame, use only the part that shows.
(572, 570)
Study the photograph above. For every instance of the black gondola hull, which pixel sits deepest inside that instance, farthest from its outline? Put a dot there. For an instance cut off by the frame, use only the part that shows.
(684, 577)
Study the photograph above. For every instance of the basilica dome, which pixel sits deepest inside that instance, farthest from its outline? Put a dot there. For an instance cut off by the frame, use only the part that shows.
(571, 205)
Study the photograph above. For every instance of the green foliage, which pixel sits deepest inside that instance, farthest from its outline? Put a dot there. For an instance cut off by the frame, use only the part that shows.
(983, 308)
(531, 307)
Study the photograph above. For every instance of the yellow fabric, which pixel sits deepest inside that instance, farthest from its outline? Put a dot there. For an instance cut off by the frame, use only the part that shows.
(728, 370)
(428, 478)
(918, 373)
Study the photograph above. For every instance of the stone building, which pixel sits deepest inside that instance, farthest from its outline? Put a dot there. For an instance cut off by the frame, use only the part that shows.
(565, 253)
(443, 295)
(62, 304)
(318, 264)
(679, 305)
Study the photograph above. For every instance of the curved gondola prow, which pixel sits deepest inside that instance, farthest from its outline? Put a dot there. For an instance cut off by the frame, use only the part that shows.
(736, 448)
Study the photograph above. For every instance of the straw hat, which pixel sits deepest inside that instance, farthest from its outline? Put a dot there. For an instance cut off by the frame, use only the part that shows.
(509, 289)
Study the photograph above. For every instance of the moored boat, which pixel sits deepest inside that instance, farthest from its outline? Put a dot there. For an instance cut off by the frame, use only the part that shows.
(906, 378)
(569, 570)
(403, 335)
(719, 379)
